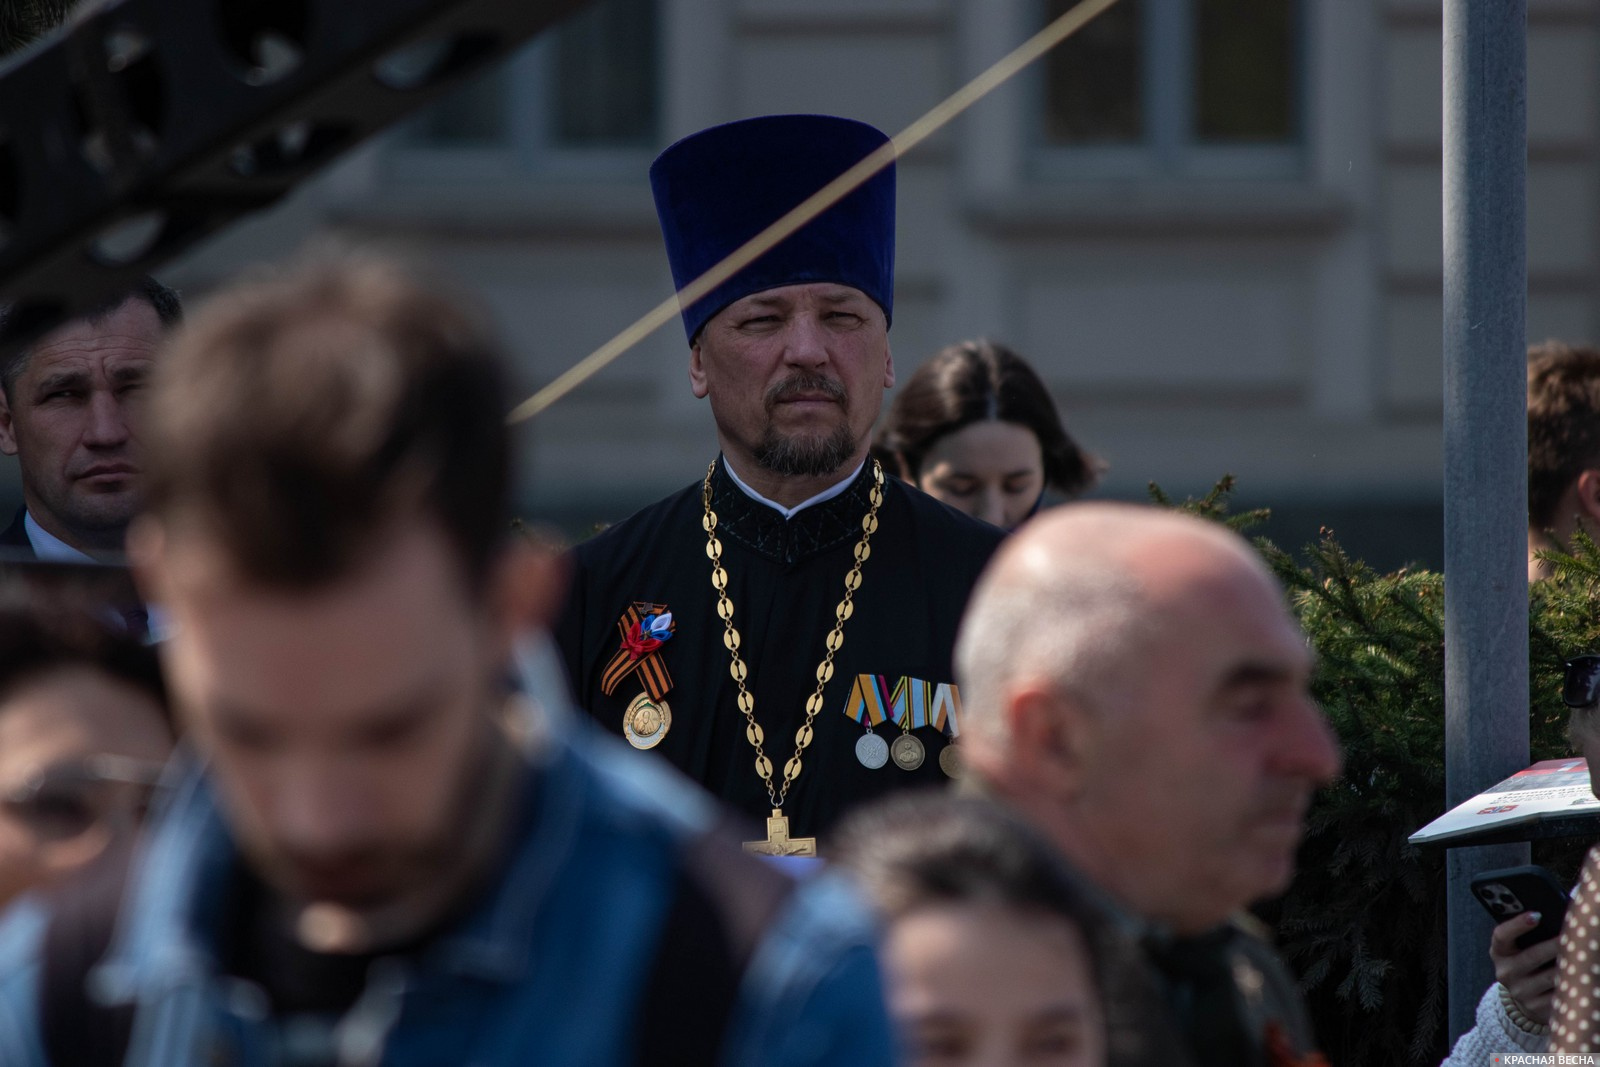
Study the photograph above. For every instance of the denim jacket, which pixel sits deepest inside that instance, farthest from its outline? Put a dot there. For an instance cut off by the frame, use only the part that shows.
(548, 967)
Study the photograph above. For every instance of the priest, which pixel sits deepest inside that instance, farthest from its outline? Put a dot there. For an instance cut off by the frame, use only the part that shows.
(781, 629)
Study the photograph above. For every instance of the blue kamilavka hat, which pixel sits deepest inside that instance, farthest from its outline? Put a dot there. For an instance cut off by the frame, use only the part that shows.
(718, 188)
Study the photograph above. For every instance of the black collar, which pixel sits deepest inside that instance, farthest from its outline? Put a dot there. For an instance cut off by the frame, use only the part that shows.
(764, 530)
(1191, 957)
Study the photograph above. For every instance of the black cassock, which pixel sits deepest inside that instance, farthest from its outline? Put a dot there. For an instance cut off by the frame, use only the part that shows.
(785, 580)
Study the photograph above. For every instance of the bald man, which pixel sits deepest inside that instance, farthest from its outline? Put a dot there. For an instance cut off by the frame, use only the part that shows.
(1135, 685)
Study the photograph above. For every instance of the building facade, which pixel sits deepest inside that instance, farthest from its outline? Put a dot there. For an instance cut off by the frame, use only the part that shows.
(1213, 225)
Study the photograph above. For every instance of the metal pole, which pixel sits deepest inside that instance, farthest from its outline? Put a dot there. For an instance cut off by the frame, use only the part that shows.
(1485, 445)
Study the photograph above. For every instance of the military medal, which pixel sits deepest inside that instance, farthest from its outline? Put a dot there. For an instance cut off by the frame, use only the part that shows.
(909, 707)
(778, 842)
(869, 707)
(644, 629)
(910, 703)
(907, 752)
(950, 761)
(646, 721)
(872, 750)
(945, 716)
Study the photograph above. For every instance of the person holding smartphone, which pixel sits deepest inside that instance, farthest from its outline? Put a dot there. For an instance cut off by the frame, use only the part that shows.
(1514, 1014)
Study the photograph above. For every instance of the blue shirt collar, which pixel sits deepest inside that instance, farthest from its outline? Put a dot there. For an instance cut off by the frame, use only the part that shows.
(50, 548)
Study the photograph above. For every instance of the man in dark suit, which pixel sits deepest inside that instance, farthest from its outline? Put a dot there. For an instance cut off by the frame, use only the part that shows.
(67, 412)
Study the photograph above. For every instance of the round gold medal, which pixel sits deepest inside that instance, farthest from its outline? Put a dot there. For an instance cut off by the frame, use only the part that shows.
(907, 752)
(646, 721)
(950, 761)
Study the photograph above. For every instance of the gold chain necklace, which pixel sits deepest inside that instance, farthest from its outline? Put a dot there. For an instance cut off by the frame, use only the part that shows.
(778, 841)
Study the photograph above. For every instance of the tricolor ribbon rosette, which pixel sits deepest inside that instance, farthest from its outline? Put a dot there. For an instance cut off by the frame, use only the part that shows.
(647, 635)
(644, 629)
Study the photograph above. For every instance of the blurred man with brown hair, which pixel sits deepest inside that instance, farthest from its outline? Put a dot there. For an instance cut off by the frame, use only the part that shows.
(388, 854)
(1563, 447)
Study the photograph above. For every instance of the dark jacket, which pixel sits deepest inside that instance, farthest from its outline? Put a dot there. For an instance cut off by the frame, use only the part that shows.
(14, 540)
(568, 929)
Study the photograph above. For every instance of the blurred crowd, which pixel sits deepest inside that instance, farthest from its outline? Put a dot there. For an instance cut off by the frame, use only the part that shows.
(870, 745)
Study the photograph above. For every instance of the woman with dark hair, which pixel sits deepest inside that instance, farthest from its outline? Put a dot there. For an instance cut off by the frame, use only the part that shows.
(976, 428)
(991, 949)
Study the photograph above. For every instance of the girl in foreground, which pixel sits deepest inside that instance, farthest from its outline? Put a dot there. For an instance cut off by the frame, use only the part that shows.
(988, 955)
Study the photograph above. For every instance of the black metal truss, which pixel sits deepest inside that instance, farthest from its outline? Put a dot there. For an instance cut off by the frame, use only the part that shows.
(153, 123)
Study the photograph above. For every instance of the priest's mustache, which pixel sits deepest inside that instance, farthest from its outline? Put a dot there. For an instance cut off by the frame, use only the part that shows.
(805, 384)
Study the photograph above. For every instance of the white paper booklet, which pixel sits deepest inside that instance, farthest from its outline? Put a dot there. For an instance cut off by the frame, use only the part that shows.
(1550, 799)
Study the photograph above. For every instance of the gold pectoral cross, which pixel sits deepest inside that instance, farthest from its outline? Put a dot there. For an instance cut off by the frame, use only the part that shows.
(778, 842)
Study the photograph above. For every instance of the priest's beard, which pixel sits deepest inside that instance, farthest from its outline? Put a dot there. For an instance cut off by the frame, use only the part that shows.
(809, 455)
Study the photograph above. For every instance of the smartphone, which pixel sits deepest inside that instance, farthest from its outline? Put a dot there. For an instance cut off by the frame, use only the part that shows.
(1511, 891)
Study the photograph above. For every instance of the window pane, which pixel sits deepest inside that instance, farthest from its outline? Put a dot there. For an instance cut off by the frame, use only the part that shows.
(1245, 71)
(470, 116)
(604, 81)
(1094, 80)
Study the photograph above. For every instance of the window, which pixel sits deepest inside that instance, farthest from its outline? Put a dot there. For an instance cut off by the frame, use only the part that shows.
(1176, 88)
(579, 100)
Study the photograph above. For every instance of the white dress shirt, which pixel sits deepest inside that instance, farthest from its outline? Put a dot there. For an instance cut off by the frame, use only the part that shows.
(789, 513)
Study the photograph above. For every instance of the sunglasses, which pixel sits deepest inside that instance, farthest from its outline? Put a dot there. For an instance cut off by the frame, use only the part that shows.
(65, 801)
(1580, 686)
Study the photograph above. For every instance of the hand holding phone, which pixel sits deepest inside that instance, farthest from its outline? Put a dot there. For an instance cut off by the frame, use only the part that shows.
(1512, 891)
(1527, 975)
